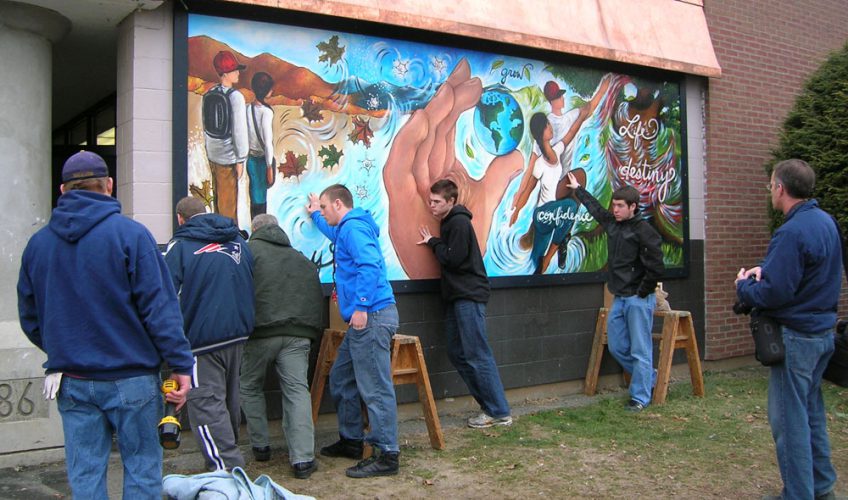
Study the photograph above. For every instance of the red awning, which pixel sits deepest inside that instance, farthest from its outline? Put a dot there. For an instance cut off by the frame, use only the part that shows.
(667, 34)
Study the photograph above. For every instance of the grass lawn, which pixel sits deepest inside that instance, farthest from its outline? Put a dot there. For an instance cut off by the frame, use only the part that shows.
(719, 446)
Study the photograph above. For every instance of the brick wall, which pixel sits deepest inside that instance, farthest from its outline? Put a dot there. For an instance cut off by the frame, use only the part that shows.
(766, 50)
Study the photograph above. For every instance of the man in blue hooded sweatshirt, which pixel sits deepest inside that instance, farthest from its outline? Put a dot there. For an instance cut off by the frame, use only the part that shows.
(212, 269)
(94, 294)
(362, 370)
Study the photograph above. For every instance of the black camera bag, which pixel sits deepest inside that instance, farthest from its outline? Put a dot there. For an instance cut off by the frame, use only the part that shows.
(837, 368)
(768, 339)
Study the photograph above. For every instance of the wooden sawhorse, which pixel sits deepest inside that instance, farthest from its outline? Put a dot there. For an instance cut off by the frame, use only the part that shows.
(678, 332)
(408, 367)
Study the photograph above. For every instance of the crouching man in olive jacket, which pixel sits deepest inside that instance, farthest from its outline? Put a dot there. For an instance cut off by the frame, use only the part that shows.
(288, 318)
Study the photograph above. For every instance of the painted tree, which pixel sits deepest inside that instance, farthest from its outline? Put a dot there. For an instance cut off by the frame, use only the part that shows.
(816, 131)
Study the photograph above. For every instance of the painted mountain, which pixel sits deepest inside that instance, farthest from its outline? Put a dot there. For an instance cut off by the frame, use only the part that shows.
(293, 85)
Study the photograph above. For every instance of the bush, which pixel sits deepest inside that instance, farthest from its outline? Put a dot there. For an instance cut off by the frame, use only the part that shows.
(816, 131)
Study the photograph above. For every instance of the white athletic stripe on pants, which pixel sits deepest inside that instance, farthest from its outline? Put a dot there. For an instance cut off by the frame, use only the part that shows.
(211, 449)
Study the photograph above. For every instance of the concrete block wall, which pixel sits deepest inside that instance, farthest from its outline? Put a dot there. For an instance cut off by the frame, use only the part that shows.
(539, 336)
(144, 115)
(766, 51)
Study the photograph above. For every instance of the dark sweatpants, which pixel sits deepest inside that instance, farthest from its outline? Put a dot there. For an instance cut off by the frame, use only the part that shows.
(213, 405)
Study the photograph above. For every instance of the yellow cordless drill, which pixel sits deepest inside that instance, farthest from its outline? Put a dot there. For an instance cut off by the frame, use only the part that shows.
(169, 426)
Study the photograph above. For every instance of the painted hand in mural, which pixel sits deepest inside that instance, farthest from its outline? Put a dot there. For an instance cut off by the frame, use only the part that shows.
(421, 154)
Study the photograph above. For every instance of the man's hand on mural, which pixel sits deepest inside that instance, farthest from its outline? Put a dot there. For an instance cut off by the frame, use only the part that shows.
(425, 235)
(572, 181)
(314, 204)
(423, 152)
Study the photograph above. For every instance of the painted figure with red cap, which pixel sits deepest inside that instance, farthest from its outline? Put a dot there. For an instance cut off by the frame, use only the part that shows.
(225, 130)
(550, 161)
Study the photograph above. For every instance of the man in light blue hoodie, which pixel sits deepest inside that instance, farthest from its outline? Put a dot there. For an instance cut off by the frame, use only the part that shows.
(362, 370)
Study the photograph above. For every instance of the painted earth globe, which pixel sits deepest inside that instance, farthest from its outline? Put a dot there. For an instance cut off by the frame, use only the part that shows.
(498, 121)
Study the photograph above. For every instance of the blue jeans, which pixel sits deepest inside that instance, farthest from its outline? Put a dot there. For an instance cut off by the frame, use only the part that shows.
(469, 352)
(797, 416)
(91, 410)
(256, 168)
(629, 327)
(363, 372)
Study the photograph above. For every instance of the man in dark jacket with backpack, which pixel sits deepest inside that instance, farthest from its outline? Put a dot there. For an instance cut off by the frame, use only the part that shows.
(212, 270)
(288, 319)
(465, 290)
(635, 263)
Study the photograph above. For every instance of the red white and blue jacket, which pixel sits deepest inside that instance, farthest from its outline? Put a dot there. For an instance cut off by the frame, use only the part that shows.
(212, 270)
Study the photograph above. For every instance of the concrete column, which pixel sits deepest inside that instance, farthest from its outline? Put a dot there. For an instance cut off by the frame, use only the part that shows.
(145, 61)
(27, 422)
(696, 92)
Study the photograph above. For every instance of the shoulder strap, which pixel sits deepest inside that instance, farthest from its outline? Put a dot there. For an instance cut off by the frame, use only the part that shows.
(256, 126)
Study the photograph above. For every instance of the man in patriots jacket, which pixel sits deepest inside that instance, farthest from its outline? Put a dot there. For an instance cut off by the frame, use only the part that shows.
(212, 269)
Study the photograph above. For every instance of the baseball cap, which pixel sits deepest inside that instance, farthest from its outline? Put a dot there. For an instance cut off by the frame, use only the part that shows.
(225, 62)
(552, 90)
(84, 165)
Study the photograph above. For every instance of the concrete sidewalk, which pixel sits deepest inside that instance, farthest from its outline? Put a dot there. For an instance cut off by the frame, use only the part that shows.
(49, 481)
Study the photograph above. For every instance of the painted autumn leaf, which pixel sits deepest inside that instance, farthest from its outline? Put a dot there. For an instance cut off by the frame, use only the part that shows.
(361, 132)
(331, 156)
(311, 111)
(331, 52)
(204, 193)
(293, 166)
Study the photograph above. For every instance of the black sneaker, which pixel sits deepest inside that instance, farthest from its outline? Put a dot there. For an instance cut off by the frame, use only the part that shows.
(562, 252)
(348, 448)
(384, 464)
(302, 470)
(262, 454)
(634, 406)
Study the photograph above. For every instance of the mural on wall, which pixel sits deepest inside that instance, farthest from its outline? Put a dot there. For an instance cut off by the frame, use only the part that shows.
(276, 112)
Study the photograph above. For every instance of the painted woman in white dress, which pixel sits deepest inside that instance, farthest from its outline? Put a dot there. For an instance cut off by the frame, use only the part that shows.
(546, 236)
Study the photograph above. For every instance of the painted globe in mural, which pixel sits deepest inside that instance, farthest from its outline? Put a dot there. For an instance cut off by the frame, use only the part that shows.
(498, 121)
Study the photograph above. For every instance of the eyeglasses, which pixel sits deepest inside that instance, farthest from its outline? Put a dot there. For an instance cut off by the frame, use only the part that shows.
(772, 185)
